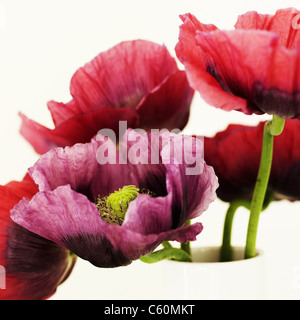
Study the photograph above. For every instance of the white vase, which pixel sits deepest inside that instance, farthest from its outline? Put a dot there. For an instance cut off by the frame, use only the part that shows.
(208, 279)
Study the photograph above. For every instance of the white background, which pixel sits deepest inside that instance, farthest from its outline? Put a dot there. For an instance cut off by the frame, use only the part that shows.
(42, 43)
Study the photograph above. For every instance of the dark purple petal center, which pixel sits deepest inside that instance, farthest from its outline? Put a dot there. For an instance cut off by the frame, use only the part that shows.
(100, 252)
(275, 101)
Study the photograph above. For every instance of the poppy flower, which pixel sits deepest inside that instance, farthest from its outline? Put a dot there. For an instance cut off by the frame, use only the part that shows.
(33, 266)
(134, 81)
(75, 183)
(235, 156)
(252, 69)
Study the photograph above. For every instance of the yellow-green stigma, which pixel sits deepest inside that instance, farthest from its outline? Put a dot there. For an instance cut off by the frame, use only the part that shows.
(107, 214)
(120, 199)
(112, 208)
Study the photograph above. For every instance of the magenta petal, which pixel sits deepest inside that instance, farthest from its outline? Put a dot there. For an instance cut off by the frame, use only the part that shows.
(184, 234)
(74, 166)
(78, 167)
(72, 221)
(144, 215)
(191, 182)
(49, 213)
(135, 245)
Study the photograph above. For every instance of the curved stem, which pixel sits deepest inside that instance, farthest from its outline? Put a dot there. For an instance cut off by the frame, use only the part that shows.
(271, 129)
(226, 252)
(168, 253)
(275, 126)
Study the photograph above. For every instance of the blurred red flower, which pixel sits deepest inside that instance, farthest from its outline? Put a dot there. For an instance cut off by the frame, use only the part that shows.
(34, 267)
(235, 156)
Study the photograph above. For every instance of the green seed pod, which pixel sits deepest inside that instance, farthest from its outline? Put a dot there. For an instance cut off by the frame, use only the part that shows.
(119, 200)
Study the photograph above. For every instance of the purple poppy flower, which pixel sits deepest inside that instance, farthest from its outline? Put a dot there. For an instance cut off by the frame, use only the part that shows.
(73, 185)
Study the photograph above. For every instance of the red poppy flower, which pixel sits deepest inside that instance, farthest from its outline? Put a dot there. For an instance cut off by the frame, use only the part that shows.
(253, 69)
(32, 267)
(235, 156)
(135, 81)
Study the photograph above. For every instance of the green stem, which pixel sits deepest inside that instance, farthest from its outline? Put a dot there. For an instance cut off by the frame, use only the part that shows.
(272, 128)
(226, 252)
(168, 253)
(166, 244)
(275, 126)
(186, 246)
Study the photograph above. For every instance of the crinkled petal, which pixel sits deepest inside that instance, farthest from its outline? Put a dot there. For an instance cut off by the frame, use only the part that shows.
(85, 170)
(190, 184)
(72, 221)
(121, 76)
(190, 181)
(62, 112)
(148, 215)
(254, 20)
(135, 245)
(196, 66)
(285, 23)
(185, 48)
(253, 71)
(268, 83)
(234, 66)
(75, 166)
(132, 75)
(141, 152)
